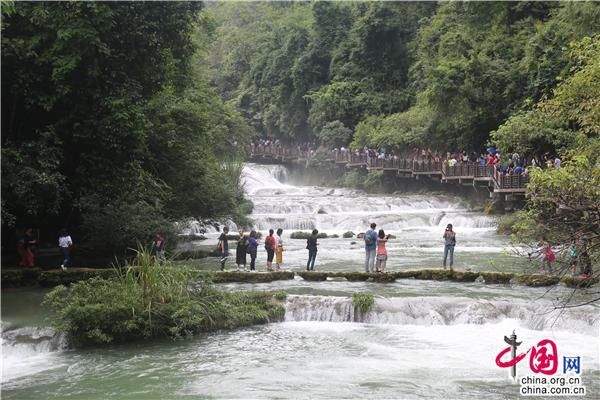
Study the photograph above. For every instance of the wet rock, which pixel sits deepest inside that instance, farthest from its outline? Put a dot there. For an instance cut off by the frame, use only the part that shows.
(383, 277)
(313, 276)
(578, 281)
(537, 280)
(246, 277)
(434, 274)
(357, 276)
(464, 276)
(71, 275)
(497, 277)
(19, 276)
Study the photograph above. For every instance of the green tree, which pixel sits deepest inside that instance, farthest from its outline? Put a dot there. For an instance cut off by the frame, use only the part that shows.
(335, 134)
(107, 124)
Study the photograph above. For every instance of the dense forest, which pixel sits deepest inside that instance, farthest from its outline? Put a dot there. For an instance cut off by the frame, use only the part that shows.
(121, 117)
(108, 126)
(524, 76)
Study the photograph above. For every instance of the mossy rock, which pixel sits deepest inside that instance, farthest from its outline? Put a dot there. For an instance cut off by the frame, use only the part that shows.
(313, 276)
(360, 235)
(383, 277)
(19, 276)
(306, 235)
(464, 276)
(247, 277)
(348, 235)
(336, 274)
(537, 280)
(334, 236)
(496, 277)
(71, 275)
(321, 211)
(357, 276)
(405, 274)
(390, 236)
(577, 282)
(434, 274)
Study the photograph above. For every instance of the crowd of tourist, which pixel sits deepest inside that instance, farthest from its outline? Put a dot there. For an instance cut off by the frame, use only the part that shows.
(512, 164)
(375, 249)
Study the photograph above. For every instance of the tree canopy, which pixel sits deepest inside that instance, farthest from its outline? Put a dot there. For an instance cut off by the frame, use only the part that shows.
(108, 125)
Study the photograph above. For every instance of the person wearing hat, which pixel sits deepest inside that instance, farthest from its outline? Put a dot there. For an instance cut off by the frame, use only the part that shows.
(450, 242)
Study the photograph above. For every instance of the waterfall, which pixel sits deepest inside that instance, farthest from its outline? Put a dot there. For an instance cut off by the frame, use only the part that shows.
(441, 311)
(25, 349)
(277, 204)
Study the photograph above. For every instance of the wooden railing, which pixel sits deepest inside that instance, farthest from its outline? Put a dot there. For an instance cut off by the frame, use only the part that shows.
(465, 170)
(509, 182)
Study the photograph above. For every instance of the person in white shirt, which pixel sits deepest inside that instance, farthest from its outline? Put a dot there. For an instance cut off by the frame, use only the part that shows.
(65, 243)
(557, 163)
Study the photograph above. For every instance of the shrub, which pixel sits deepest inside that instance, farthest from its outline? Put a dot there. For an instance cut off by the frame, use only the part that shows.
(306, 235)
(146, 300)
(363, 302)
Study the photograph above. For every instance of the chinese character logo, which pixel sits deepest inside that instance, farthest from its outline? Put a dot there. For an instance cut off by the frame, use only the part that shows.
(543, 357)
(572, 364)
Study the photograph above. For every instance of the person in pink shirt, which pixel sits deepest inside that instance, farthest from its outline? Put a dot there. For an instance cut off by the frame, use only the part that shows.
(381, 251)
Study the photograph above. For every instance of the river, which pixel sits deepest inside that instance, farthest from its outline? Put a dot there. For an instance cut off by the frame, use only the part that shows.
(423, 339)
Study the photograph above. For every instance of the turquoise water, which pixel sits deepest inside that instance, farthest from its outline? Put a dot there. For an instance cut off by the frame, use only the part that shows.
(422, 339)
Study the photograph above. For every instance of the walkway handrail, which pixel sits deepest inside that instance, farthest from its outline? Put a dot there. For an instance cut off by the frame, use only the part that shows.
(465, 170)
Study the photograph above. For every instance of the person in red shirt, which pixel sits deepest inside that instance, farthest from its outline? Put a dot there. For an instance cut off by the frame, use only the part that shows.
(270, 247)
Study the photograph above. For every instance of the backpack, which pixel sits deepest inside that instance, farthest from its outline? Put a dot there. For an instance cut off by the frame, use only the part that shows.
(369, 239)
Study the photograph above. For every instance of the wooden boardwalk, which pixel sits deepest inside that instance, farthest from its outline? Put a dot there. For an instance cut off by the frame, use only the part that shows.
(468, 173)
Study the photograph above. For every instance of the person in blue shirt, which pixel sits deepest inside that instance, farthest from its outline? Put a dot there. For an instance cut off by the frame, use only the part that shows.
(252, 246)
(370, 248)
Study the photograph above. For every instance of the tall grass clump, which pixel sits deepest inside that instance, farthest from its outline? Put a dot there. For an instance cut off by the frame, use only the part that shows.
(147, 299)
(363, 302)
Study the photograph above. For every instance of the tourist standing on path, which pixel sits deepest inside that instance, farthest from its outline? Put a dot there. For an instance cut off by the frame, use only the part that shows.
(252, 250)
(573, 257)
(311, 246)
(450, 242)
(381, 252)
(270, 248)
(158, 248)
(278, 249)
(223, 247)
(549, 256)
(65, 243)
(370, 248)
(26, 250)
(240, 251)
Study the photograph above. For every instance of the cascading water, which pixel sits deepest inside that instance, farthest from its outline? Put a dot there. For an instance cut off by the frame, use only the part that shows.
(441, 310)
(422, 339)
(417, 222)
